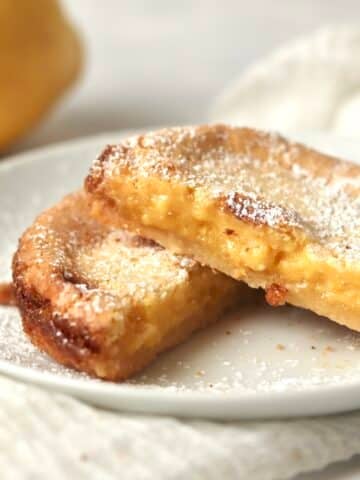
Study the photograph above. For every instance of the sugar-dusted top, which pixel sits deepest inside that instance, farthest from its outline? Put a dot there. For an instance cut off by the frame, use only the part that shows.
(85, 267)
(261, 177)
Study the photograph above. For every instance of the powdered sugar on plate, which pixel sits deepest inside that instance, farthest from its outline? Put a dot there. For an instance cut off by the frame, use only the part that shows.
(239, 354)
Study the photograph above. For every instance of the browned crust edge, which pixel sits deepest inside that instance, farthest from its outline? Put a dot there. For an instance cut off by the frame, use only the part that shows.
(68, 340)
(71, 346)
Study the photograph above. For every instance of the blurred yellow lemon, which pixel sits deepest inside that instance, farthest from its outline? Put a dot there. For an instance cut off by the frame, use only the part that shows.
(40, 56)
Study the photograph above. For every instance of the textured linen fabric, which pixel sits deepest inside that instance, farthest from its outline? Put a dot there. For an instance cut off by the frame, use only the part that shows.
(43, 433)
(311, 83)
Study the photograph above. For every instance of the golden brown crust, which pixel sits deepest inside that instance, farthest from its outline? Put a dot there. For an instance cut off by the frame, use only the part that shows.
(47, 330)
(105, 301)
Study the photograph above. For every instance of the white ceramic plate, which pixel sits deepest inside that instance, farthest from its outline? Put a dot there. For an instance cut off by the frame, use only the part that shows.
(259, 362)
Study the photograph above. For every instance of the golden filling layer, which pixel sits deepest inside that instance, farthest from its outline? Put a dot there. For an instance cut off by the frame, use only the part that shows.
(189, 221)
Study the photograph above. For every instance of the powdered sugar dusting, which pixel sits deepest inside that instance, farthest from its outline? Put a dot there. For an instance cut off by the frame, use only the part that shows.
(259, 212)
(261, 175)
(96, 269)
(17, 349)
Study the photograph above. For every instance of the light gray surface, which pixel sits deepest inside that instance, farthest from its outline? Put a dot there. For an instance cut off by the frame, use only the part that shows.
(162, 62)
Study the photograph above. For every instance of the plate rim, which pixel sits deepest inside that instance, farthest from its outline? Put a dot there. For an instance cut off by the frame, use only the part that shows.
(209, 404)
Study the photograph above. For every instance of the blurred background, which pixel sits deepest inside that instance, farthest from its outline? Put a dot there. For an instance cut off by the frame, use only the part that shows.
(163, 63)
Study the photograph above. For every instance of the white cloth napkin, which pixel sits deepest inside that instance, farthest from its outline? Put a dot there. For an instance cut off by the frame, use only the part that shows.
(312, 83)
(45, 435)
